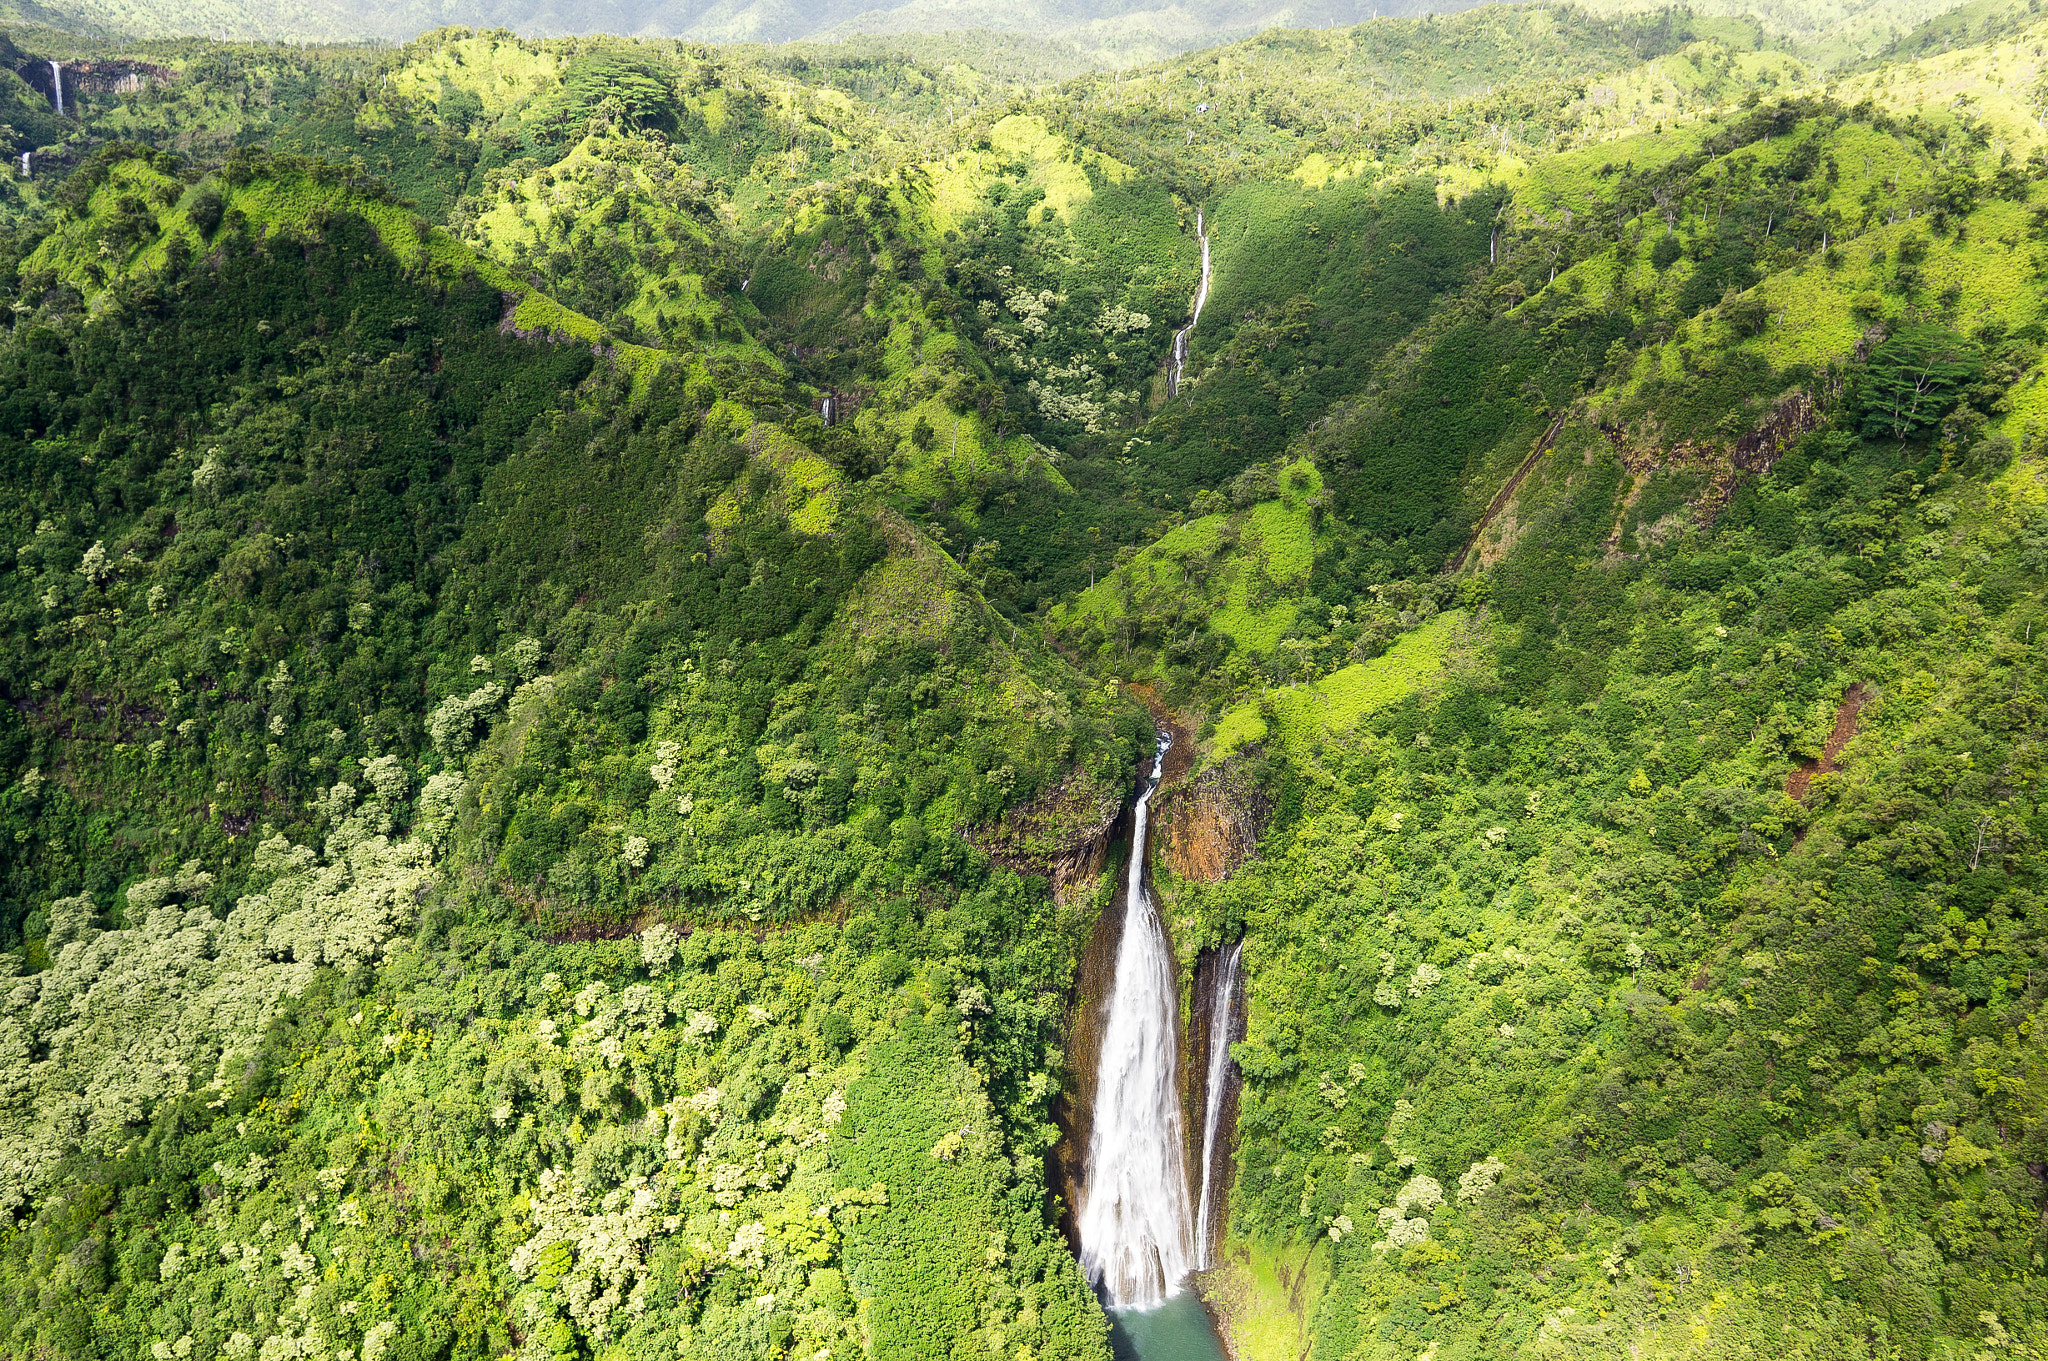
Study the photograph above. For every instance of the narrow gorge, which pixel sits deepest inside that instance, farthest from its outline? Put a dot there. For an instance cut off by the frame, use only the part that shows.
(1137, 1235)
(1142, 1232)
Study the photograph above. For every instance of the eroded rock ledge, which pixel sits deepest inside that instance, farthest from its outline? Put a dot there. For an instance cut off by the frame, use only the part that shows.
(1064, 834)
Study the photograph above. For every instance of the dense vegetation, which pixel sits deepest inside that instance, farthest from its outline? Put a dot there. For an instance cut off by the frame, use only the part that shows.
(1780, 1046)
(575, 605)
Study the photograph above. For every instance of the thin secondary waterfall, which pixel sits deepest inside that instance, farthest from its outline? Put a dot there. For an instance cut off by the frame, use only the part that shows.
(1219, 1073)
(57, 86)
(1137, 1238)
(1180, 337)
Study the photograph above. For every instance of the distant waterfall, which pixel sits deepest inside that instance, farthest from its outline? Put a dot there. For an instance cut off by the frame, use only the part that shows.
(57, 85)
(1180, 337)
(1219, 1073)
(1137, 1239)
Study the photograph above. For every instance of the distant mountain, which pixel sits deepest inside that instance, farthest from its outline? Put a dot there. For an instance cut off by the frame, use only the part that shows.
(1114, 30)
(1122, 32)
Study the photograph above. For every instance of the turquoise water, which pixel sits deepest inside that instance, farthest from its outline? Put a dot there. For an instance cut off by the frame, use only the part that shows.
(1178, 1330)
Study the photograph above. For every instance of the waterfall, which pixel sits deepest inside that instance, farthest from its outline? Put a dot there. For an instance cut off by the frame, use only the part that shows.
(1180, 337)
(1219, 1073)
(57, 85)
(1137, 1241)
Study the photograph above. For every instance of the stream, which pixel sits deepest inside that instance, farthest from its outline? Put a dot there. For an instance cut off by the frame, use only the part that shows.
(1140, 1236)
(1180, 337)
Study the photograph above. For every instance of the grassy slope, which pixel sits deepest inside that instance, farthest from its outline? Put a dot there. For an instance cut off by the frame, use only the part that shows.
(1809, 304)
(110, 239)
(1539, 1000)
(1219, 570)
(1331, 708)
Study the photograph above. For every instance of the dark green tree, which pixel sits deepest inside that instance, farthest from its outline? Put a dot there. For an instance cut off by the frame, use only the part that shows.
(1914, 379)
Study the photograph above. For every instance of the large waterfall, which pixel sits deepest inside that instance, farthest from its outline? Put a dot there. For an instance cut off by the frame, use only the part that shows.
(57, 85)
(1137, 1238)
(1219, 1074)
(1180, 337)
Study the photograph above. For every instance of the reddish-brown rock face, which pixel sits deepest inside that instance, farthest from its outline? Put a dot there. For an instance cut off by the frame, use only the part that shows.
(1210, 825)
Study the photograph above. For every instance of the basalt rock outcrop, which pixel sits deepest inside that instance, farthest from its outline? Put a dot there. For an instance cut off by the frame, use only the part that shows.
(112, 77)
(1210, 824)
(1064, 834)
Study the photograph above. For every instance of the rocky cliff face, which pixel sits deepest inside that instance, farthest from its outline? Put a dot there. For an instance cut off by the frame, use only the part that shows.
(112, 77)
(1201, 1024)
(1210, 824)
(1063, 834)
(1074, 1111)
(1204, 827)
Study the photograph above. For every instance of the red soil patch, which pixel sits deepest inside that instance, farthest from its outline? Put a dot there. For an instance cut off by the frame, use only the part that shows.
(1797, 783)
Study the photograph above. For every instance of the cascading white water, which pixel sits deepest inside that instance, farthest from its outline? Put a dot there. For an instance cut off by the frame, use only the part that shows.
(57, 85)
(1137, 1240)
(1219, 1072)
(1180, 337)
